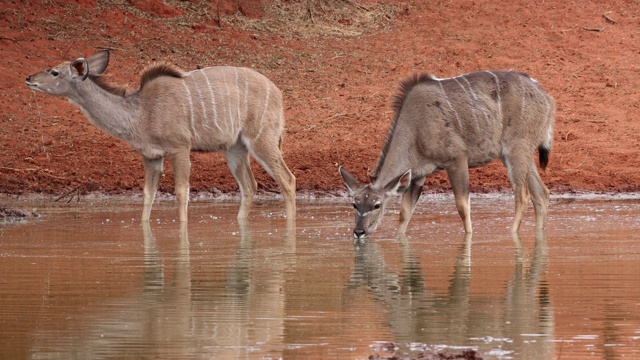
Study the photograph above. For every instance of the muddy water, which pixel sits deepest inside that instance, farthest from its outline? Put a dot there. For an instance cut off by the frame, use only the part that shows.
(88, 281)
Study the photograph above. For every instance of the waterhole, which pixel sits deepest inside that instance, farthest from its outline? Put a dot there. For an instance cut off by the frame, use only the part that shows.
(88, 281)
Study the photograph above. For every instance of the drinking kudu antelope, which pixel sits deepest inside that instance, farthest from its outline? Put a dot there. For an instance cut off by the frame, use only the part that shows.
(454, 124)
(233, 110)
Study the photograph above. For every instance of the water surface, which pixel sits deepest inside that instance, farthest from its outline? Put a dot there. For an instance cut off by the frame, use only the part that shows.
(89, 281)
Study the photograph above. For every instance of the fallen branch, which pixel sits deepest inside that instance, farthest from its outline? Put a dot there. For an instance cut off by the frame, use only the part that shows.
(73, 192)
(593, 29)
(37, 171)
(49, 173)
(10, 39)
(20, 170)
(609, 19)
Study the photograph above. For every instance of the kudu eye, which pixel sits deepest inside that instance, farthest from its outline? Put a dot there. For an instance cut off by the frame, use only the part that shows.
(376, 206)
(54, 73)
(354, 206)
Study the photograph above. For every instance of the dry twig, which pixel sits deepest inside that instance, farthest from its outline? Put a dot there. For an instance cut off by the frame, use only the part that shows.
(73, 192)
(10, 39)
(609, 19)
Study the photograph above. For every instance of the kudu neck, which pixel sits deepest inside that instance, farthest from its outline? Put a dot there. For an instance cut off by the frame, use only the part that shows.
(112, 112)
(389, 171)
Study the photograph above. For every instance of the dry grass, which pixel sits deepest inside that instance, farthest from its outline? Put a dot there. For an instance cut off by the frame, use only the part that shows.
(312, 18)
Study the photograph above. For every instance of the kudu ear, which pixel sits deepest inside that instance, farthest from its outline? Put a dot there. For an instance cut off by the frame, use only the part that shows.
(351, 182)
(98, 62)
(79, 69)
(94, 65)
(399, 184)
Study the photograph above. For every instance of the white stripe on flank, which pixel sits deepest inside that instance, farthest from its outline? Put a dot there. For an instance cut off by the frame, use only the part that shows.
(202, 105)
(235, 71)
(229, 109)
(523, 97)
(444, 93)
(246, 95)
(475, 97)
(498, 91)
(213, 101)
(186, 88)
(471, 103)
(266, 106)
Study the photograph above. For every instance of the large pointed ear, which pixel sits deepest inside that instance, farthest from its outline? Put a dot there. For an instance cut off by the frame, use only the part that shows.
(352, 184)
(399, 184)
(79, 69)
(98, 62)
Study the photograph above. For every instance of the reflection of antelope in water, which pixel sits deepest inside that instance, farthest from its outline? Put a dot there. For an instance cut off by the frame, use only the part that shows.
(454, 124)
(176, 311)
(528, 313)
(245, 315)
(140, 322)
(415, 315)
(234, 110)
(410, 310)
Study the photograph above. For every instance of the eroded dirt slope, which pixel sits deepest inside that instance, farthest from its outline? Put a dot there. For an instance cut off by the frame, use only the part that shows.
(337, 62)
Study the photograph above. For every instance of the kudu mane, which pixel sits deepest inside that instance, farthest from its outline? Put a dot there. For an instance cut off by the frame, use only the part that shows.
(150, 73)
(397, 100)
(157, 70)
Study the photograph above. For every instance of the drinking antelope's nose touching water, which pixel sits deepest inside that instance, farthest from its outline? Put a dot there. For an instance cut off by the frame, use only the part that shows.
(455, 124)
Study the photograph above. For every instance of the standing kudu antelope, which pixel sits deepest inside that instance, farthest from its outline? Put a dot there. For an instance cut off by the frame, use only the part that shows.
(233, 110)
(454, 124)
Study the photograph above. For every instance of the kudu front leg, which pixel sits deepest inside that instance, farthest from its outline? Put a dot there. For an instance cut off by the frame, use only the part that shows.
(182, 171)
(408, 204)
(152, 174)
(458, 175)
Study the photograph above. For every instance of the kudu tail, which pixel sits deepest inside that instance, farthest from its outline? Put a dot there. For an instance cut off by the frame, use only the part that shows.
(544, 150)
(543, 156)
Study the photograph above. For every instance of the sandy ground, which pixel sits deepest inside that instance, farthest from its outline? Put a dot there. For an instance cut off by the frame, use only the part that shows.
(337, 62)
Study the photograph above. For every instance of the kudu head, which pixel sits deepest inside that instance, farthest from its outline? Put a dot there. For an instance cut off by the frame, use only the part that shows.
(62, 79)
(369, 200)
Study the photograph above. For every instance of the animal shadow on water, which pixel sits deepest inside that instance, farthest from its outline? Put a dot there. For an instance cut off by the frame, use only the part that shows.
(415, 315)
(455, 124)
(234, 110)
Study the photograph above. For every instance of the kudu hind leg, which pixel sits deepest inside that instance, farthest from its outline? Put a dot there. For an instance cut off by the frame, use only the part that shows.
(458, 175)
(539, 195)
(152, 174)
(238, 161)
(409, 200)
(270, 157)
(518, 173)
(182, 171)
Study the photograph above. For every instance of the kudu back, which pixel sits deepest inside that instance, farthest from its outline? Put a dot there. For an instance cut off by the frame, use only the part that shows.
(233, 110)
(453, 124)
